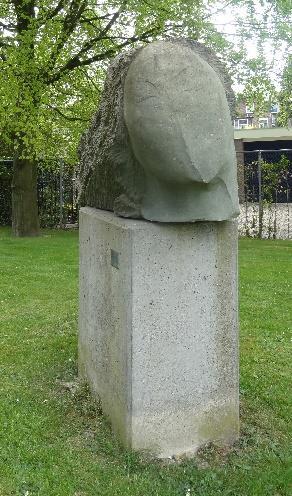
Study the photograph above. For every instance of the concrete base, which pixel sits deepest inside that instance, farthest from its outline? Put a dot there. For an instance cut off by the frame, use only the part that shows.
(158, 329)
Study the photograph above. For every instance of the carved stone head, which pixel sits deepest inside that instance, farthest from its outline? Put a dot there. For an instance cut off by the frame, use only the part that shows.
(161, 145)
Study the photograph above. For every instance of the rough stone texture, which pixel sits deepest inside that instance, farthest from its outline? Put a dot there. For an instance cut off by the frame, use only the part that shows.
(239, 150)
(161, 144)
(158, 335)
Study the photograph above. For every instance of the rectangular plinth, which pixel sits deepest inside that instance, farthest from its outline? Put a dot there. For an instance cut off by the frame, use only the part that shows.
(158, 331)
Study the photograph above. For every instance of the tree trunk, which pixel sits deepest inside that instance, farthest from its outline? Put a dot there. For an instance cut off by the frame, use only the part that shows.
(25, 219)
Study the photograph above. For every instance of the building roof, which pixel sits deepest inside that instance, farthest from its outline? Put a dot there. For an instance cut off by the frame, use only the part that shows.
(264, 134)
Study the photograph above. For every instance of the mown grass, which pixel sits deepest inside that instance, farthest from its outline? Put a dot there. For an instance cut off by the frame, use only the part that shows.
(53, 439)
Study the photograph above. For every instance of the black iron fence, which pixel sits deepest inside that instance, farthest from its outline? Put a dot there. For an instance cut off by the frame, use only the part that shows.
(265, 191)
(57, 193)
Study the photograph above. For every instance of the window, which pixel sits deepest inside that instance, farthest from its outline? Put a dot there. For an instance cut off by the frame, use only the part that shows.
(241, 123)
(263, 122)
(274, 109)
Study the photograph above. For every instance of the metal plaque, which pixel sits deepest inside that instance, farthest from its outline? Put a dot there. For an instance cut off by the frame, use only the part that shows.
(115, 259)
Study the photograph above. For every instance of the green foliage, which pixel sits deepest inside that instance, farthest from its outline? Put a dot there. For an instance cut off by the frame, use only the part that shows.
(54, 441)
(268, 24)
(273, 177)
(259, 92)
(285, 95)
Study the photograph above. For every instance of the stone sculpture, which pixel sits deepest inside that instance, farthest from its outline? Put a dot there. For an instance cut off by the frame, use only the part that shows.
(160, 146)
(158, 326)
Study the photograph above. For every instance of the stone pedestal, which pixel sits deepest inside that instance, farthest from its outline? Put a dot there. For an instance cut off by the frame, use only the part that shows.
(158, 331)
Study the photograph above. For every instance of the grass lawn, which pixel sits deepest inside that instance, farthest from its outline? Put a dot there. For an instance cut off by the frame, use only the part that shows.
(53, 440)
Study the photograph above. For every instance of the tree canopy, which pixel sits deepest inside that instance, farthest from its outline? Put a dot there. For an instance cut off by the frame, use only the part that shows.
(54, 55)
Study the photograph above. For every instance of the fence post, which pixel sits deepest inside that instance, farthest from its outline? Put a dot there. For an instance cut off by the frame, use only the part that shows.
(288, 206)
(260, 193)
(61, 193)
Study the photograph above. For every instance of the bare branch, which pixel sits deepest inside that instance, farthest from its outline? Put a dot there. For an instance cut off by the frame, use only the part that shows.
(90, 20)
(113, 19)
(76, 62)
(67, 117)
(9, 27)
(25, 13)
(102, 35)
(69, 24)
(90, 79)
(56, 10)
